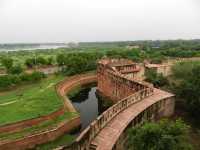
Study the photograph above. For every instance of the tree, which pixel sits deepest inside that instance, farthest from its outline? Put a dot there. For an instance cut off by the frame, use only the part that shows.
(16, 69)
(50, 60)
(189, 90)
(30, 62)
(164, 135)
(41, 61)
(156, 78)
(7, 63)
(60, 58)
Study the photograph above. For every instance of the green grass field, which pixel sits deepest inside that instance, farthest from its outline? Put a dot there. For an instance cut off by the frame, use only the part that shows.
(30, 101)
(64, 140)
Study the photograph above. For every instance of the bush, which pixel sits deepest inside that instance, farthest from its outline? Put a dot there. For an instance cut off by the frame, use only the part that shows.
(16, 69)
(8, 81)
(30, 62)
(5, 81)
(188, 87)
(7, 63)
(50, 61)
(41, 61)
(37, 76)
(75, 63)
(164, 135)
(156, 78)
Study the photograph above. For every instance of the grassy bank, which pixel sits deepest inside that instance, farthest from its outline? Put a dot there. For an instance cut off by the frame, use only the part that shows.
(44, 126)
(30, 101)
(66, 139)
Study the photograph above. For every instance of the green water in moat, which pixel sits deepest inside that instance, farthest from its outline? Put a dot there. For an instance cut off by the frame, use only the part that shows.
(89, 104)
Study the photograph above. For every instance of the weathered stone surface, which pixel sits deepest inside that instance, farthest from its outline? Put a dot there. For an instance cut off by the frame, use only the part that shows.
(135, 101)
(108, 136)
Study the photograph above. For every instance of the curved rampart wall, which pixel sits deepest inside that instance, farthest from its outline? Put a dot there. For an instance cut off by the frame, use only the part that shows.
(116, 86)
(125, 91)
(68, 84)
(85, 138)
(62, 89)
(39, 138)
(152, 110)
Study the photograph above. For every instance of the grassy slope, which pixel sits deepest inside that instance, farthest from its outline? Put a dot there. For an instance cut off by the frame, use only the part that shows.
(30, 101)
(66, 139)
(49, 124)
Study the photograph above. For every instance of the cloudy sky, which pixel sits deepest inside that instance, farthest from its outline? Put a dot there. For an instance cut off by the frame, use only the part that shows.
(98, 20)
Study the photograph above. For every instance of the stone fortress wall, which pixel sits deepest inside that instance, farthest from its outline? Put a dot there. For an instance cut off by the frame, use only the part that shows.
(118, 80)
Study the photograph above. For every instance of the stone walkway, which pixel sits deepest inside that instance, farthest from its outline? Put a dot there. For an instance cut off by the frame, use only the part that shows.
(109, 135)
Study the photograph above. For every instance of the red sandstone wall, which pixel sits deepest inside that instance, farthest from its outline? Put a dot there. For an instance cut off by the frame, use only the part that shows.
(115, 86)
(69, 83)
(27, 123)
(31, 141)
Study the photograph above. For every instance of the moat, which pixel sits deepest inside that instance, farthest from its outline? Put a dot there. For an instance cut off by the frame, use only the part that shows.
(88, 103)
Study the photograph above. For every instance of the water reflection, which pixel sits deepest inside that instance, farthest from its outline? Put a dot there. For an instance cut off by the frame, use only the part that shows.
(89, 104)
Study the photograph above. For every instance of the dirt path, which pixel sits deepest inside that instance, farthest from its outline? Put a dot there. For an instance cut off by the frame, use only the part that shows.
(8, 103)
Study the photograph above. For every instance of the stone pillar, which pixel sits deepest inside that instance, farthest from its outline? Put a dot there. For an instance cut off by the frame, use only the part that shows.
(169, 107)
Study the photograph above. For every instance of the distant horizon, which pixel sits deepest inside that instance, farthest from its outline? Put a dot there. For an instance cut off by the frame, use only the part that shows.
(184, 39)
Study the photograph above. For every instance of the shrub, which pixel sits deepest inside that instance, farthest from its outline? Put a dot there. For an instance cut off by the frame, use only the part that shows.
(156, 78)
(41, 61)
(164, 135)
(8, 81)
(37, 76)
(16, 69)
(188, 87)
(7, 62)
(30, 62)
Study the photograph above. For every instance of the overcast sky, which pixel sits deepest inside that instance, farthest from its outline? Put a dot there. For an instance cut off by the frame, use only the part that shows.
(98, 20)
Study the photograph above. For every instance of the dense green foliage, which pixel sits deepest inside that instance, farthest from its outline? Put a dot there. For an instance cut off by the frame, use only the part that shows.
(187, 85)
(149, 45)
(180, 53)
(164, 135)
(156, 78)
(15, 69)
(74, 63)
(7, 62)
(8, 81)
(37, 61)
(156, 51)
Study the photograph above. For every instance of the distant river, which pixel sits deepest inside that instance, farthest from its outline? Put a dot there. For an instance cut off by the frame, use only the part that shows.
(21, 47)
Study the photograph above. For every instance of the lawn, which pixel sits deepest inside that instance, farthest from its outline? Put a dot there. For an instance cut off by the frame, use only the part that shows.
(30, 101)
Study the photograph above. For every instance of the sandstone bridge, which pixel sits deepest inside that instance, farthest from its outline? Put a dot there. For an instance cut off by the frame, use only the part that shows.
(135, 102)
